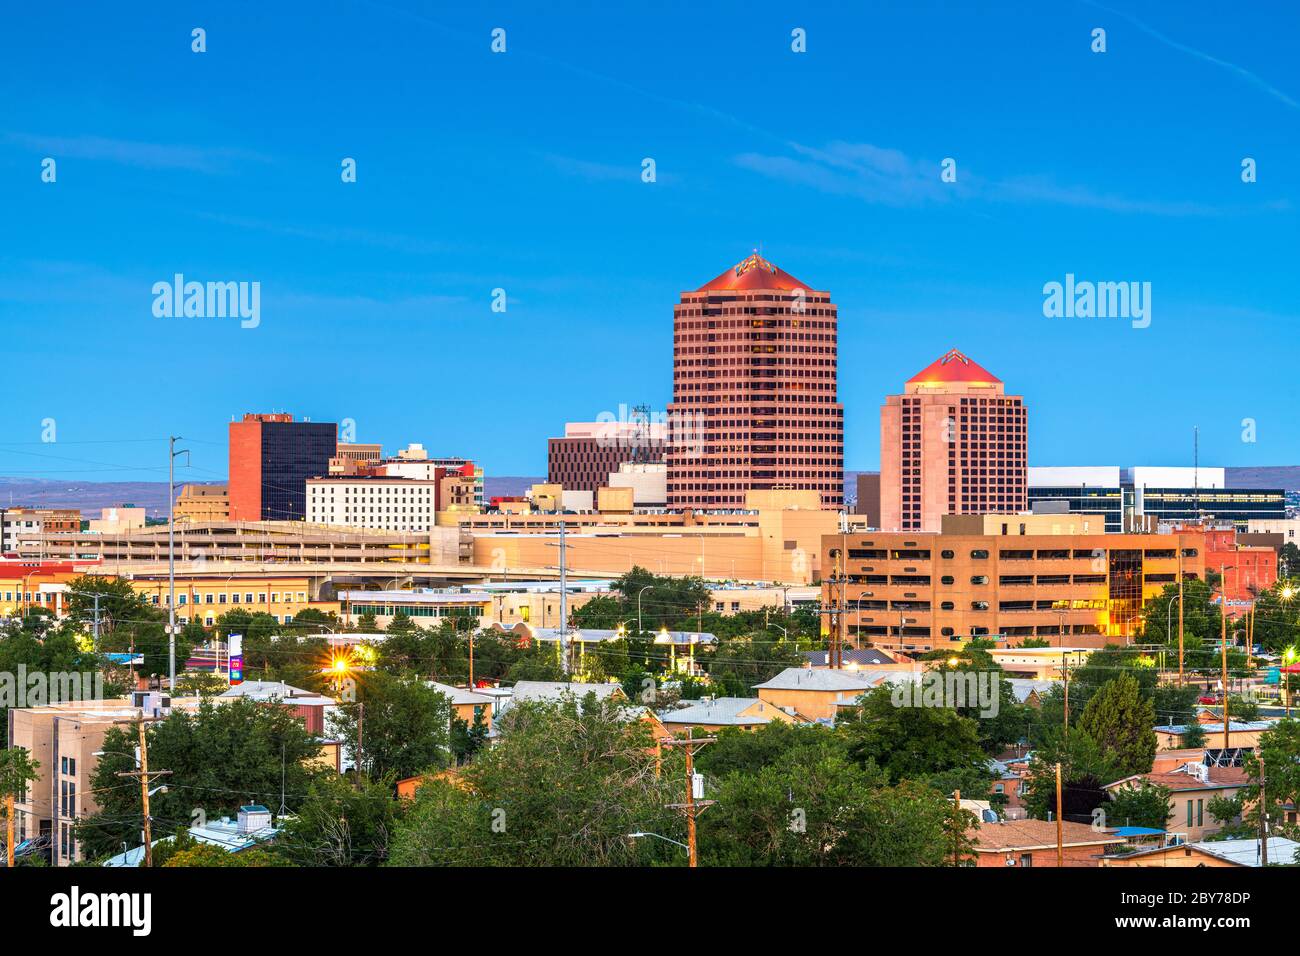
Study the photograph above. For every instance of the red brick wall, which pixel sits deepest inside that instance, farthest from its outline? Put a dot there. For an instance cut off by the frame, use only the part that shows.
(245, 486)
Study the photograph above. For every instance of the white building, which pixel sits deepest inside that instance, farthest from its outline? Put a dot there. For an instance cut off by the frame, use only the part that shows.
(414, 462)
(383, 502)
(649, 483)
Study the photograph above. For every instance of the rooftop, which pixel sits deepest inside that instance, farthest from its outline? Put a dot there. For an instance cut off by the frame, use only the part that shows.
(804, 678)
(724, 711)
(1037, 835)
(753, 272)
(953, 366)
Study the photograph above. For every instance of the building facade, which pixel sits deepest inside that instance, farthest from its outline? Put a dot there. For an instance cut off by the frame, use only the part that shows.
(381, 502)
(590, 452)
(952, 443)
(203, 503)
(271, 458)
(755, 396)
(20, 527)
(1127, 496)
(922, 592)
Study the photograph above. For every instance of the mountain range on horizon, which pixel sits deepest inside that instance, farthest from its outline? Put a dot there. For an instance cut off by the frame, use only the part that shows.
(92, 496)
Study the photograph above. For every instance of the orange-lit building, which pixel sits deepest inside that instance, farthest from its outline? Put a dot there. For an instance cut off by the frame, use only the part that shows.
(953, 443)
(755, 399)
(921, 592)
(43, 584)
(1246, 569)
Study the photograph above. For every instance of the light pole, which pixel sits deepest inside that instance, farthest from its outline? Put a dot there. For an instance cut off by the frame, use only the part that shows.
(172, 455)
(1288, 658)
(638, 605)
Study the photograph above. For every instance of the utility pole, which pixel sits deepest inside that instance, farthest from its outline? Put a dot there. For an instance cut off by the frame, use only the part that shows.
(1263, 817)
(172, 453)
(956, 841)
(693, 807)
(361, 719)
(143, 774)
(1180, 610)
(471, 658)
(564, 604)
(96, 640)
(1065, 666)
(1060, 826)
(1223, 618)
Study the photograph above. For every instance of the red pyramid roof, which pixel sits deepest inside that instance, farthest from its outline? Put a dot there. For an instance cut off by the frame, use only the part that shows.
(953, 366)
(754, 272)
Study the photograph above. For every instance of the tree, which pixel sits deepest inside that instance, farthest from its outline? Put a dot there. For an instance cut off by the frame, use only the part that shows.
(1144, 805)
(406, 726)
(1122, 724)
(911, 743)
(17, 771)
(564, 785)
(220, 757)
(339, 824)
(208, 856)
(1085, 768)
(816, 807)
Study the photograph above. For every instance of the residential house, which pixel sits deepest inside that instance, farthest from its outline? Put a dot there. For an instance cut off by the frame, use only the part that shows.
(1030, 843)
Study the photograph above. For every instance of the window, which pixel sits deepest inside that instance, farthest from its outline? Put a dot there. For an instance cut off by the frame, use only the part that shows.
(979, 605)
(946, 606)
(945, 554)
(979, 553)
(1026, 859)
(979, 579)
(946, 579)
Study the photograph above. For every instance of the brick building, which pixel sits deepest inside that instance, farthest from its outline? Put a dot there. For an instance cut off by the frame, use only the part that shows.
(952, 443)
(755, 387)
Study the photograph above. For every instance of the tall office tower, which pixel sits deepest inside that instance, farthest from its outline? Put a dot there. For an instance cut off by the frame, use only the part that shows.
(271, 458)
(952, 443)
(755, 402)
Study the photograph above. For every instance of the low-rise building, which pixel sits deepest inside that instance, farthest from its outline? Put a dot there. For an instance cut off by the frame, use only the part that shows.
(1192, 786)
(715, 713)
(1215, 853)
(814, 694)
(1033, 843)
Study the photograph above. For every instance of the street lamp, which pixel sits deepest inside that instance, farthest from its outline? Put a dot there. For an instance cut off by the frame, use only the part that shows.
(641, 833)
(638, 605)
(1288, 658)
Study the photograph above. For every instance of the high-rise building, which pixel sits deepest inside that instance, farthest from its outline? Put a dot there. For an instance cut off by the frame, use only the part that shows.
(953, 443)
(755, 399)
(271, 458)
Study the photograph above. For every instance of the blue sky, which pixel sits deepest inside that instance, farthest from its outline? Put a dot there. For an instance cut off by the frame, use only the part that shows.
(522, 171)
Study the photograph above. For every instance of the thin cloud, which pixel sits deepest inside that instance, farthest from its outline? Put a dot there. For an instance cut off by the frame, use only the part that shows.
(136, 153)
(1252, 78)
(888, 177)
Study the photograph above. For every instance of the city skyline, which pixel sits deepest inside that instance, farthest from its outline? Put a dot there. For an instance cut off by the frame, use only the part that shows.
(530, 179)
